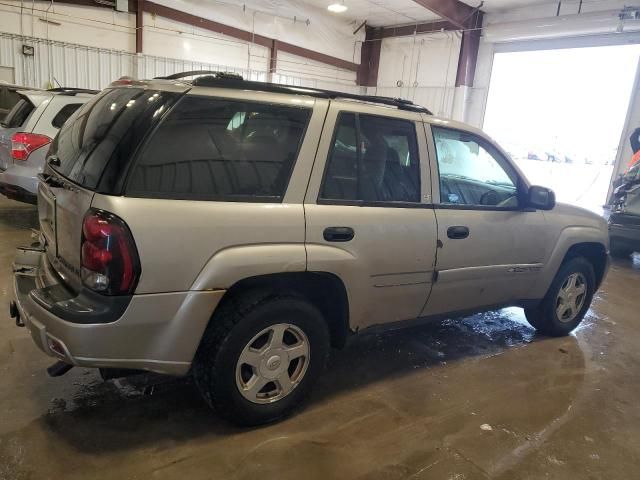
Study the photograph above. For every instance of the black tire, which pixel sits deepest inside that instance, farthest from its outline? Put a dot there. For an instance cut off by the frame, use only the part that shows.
(544, 317)
(231, 329)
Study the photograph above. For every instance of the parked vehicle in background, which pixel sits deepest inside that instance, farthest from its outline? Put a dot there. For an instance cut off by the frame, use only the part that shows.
(236, 230)
(9, 97)
(26, 133)
(624, 221)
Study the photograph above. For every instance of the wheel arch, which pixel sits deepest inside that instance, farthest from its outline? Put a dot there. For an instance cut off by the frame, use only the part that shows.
(326, 291)
(595, 253)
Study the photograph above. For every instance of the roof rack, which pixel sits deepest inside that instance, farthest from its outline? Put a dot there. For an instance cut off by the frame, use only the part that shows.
(233, 80)
(191, 73)
(71, 91)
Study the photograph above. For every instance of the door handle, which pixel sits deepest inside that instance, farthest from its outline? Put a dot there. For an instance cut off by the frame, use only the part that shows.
(338, 234)
(458, 232)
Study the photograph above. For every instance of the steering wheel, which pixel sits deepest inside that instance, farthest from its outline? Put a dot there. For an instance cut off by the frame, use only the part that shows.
(490, 197)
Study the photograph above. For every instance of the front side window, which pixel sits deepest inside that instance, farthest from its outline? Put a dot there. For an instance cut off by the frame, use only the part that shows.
(215, 149)
(372, 159)
(472, 171)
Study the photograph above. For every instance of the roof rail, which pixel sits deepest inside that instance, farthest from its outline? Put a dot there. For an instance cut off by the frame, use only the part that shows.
(71, 91)
(191, 73)
(224, 80)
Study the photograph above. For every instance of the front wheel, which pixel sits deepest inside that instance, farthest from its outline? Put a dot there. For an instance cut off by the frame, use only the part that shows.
(567, 299)
(260, 356)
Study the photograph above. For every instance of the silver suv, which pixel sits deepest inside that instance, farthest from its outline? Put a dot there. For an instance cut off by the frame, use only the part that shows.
(235, 231)
(27, 131)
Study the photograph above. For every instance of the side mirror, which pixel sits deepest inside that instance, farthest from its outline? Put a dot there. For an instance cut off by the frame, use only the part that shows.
(541, 198)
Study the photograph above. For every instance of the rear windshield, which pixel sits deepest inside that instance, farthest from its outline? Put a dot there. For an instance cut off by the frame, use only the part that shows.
(96, 143)
(217, 149)
(18, 114)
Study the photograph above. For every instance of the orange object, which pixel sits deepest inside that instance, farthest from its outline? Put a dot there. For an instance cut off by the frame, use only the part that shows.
(635, 159)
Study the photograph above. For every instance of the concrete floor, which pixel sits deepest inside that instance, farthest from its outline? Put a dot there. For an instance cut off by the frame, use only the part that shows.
(477, 398)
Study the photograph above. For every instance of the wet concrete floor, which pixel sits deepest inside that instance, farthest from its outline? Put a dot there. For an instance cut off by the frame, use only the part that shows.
(482, 397)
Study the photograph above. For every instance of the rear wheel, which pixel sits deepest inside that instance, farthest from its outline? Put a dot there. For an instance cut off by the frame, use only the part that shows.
(567, 300)
(260, 357)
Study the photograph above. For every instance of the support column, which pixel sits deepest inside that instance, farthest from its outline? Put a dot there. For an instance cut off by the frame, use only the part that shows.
(469, 52)
(273, 60)
(367, 75)
(139, 24)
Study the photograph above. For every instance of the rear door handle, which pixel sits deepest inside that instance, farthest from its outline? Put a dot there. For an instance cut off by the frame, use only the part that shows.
(458, 232)
(338, 234)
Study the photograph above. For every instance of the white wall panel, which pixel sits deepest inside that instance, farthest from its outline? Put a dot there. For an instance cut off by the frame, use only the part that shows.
(297, 67)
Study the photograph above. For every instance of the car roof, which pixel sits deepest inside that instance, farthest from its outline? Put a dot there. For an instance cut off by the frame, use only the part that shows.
(38, 96)
(236, 82)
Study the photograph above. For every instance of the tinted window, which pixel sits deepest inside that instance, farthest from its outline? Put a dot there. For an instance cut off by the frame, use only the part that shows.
(11, 98)
(64, 113)
(217, 149)
(18, 114)
(472, 171)
(97, 142)
(373, 159)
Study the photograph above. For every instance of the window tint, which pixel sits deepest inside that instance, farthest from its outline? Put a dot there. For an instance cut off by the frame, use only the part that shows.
(64, 113)
(18, 114)
(472, 171)
(11, 98)
(373, 159)
(98, 141)
(214, 149)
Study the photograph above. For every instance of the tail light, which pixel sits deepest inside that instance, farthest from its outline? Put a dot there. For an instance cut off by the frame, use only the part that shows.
(109, 259)
(22, 144)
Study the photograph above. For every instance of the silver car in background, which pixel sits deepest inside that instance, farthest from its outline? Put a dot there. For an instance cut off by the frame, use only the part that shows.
(26, 132)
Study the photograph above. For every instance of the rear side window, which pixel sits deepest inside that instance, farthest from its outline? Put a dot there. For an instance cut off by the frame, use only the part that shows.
(64, 113)
(215, 149)
(373, 159)
(18, 114)
(96, 144)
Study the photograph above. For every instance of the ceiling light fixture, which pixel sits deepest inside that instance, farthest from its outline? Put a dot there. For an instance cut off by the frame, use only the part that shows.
(337, 7)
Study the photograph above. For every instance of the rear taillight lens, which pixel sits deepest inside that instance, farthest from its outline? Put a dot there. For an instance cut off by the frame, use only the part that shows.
(22, 144)
(109, 258)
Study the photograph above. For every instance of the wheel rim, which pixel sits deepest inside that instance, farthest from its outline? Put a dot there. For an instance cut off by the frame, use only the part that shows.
(272, 363)
(571, 297)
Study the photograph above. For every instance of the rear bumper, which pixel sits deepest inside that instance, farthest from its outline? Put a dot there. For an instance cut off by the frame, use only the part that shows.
(20, 183)
(156, 332)
(624, 231)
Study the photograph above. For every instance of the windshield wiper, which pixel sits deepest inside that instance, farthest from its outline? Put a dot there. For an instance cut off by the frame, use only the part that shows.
(54, 161)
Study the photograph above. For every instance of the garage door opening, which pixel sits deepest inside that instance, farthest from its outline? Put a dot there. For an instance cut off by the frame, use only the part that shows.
(560, 114)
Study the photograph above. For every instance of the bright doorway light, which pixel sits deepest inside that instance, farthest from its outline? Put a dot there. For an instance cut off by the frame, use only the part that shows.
(560, 113)
(337, 7)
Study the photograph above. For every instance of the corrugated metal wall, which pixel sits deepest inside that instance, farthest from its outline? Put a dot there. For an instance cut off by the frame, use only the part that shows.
(87, 67)
(81, 66)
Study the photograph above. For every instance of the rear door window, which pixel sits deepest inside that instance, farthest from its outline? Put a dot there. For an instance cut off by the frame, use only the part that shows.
(64, 113)
(373, 159)
(18, 115)
(94, 147)
(215, 149)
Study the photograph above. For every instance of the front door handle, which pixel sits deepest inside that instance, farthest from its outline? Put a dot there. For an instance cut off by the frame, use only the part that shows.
(458, 232)
(338, 234)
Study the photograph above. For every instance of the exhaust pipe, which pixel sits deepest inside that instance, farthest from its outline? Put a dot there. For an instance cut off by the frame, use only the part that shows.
(59, 368)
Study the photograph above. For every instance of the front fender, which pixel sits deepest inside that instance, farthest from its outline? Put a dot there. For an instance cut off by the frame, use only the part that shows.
(568, 237)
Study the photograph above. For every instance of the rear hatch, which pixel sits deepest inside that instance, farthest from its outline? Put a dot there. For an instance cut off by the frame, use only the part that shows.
(16, 121)
(92, 154)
